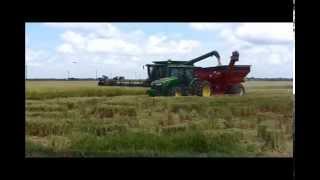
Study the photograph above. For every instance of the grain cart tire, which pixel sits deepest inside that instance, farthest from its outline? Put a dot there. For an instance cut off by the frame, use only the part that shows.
(237, 90)
(206, 89)
(196, 88)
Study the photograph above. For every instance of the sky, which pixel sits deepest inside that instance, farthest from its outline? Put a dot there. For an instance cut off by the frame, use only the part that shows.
(87, 50)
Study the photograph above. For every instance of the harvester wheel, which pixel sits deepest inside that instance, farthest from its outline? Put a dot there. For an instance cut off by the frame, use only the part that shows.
(205, 89)
(237, 90)
(175, 91)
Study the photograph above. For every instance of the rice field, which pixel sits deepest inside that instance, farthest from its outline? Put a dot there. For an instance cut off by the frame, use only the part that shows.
(81, 119)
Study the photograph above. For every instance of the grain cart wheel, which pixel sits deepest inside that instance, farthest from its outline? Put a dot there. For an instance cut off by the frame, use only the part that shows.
(237, 90)
(205, 89)
(196, 88)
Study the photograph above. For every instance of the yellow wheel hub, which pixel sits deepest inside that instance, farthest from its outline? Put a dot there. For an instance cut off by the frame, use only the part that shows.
(206, 90)
(177, 93)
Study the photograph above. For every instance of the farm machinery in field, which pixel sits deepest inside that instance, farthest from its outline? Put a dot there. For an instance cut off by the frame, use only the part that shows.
(182, 78)
(121, 81)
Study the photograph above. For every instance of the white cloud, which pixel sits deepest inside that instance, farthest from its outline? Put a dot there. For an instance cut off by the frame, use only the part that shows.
(35, 57)
(135, 58)
(155, 40)
(210, 26)
(108, 30)
(267, 47)
(257, 33)
(111, 61)
(185, 46)
(120, 51)
(265, 33)
(26, 41)
(65, 48)
(134, 43)
(161, 45)
(34, 64)
(94, 42)
(231, 41)
(100, 29)
(86, 26)
(275, 59)
(74, 38)
(267, 55)
(112, 46)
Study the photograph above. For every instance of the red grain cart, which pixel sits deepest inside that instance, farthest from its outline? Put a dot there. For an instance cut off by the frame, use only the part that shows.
(223, 79)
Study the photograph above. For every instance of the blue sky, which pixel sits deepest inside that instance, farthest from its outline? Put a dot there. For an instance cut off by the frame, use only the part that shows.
(123, 48)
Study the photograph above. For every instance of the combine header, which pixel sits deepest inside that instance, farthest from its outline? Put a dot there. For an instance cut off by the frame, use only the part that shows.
(121, 81)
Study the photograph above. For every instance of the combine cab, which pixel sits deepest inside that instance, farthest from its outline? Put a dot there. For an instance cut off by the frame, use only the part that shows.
(182, 78)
